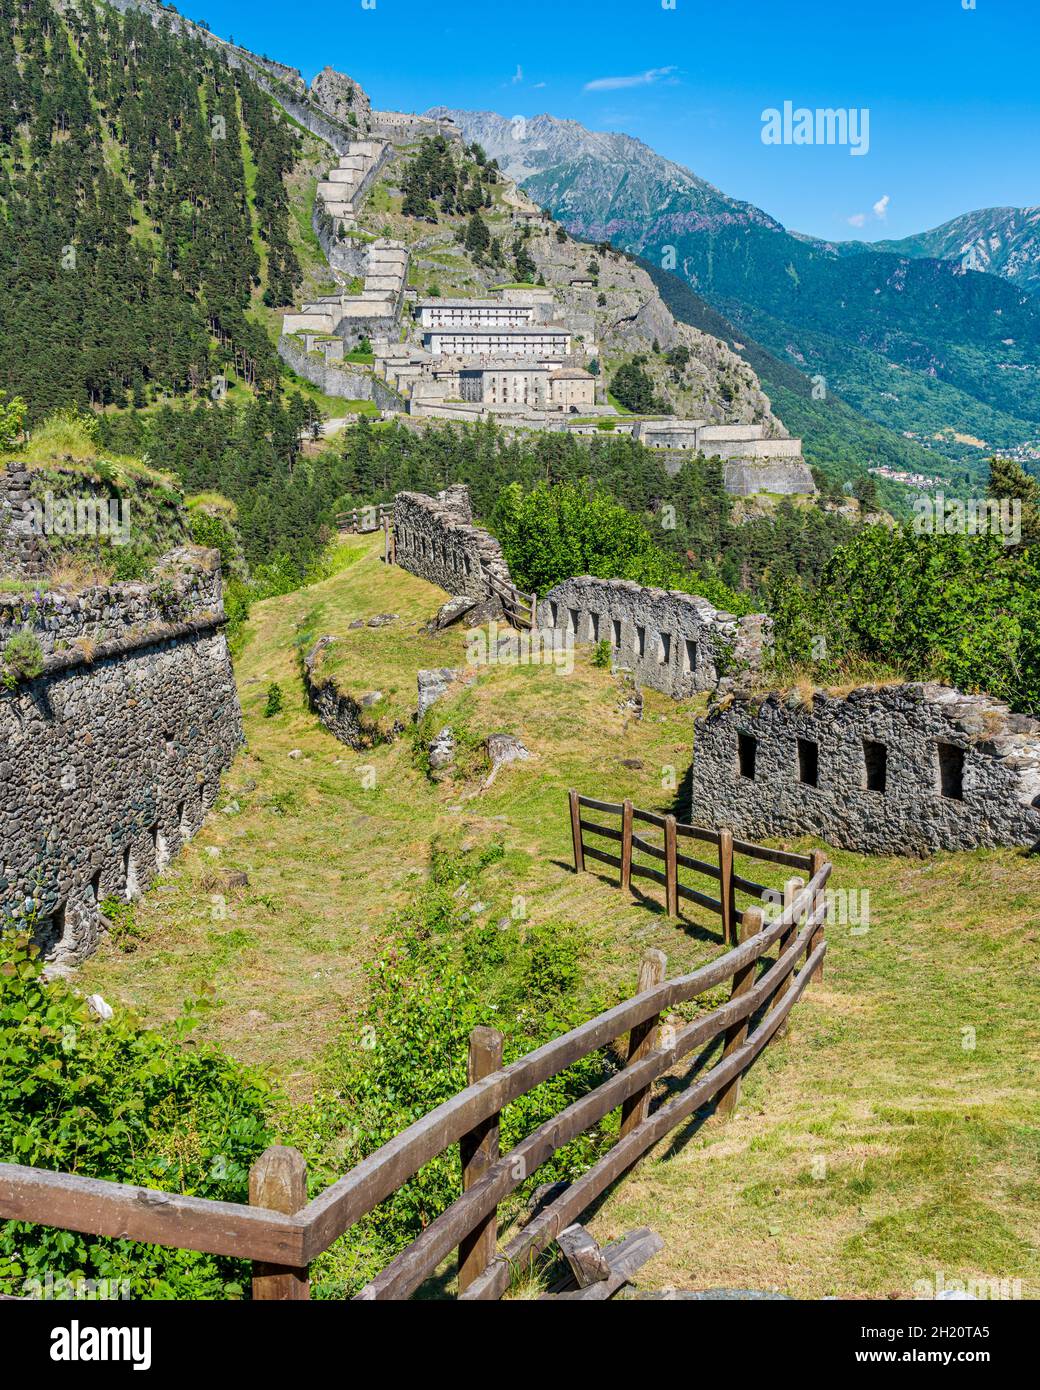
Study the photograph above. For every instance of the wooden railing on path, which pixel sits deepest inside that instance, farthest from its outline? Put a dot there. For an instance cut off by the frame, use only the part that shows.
(373, 517)
(282, 1233)
(521, 609)
(667, 854)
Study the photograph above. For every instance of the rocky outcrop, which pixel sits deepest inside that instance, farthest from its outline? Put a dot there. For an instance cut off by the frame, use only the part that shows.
(342, 97)
(899, 769)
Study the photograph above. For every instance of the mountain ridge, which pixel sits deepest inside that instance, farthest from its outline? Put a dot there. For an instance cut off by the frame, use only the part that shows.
(918, 344)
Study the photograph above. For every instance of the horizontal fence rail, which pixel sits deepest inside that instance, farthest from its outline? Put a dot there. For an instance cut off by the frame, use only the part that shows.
(660, 845)
(369, 518)
(521, 609)
(282, 1233)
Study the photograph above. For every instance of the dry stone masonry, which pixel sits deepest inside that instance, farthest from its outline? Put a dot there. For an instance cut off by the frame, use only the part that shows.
(111, 755)
(435, 538)
(900, 769)
(674, 642)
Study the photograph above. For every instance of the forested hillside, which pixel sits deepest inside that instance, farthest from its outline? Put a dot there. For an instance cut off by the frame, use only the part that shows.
(836, 438)
(143, 210)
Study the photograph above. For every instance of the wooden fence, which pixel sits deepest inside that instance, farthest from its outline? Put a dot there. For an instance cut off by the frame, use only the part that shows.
(660, 843)
(365, 519)
(282, 1233)
(521, 609)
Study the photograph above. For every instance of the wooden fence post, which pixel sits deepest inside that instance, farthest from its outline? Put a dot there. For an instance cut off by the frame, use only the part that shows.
(278, 1182)
(579, 853)
(818, 861)
(642, 1040)
(792, 888)
(736, 1036)
(671, 873)
(726, 894)
(479, 1150)
(534, 611)
(626, 844)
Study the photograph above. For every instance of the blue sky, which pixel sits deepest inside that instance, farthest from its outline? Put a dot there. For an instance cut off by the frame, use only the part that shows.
(952, 91)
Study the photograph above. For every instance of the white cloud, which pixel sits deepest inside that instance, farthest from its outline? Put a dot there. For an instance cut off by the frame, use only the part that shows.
(518, 76)
(857, 219)
(881, 206)
(538, 86)
(639, 79)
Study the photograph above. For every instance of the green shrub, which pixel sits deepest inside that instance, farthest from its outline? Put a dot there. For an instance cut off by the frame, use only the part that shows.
(556, 531)
(130, 562)
(443, 974)
(23, 658)
(274, 700)
(115, 1101)
(601, 653)
(122, 926)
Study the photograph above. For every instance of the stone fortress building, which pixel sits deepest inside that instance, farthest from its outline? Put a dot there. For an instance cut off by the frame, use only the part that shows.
(892, 769)
(671, 641)
(113, 736)
(519, 355)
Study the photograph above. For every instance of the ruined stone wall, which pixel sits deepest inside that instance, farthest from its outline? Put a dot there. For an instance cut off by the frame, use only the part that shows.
(188, 586)
(106, 768)
(436, 539)
(341, 381)
(111, 755)
(902, 769)
(673, 642)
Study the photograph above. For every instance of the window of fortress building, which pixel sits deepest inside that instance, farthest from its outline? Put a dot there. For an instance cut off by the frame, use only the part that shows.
(747, 748)
(808, 762)
(951, 771)
(875, 762)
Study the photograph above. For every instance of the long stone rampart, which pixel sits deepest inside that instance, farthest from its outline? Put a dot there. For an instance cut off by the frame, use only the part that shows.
(109, 763)
(674, 642)
(435, 538)
(118, 713)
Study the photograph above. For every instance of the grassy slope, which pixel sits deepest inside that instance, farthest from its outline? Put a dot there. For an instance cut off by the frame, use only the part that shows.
(871, 1149)
(929, 1150)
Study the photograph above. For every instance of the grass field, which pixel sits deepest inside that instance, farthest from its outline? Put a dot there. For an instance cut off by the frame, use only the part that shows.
(892, 1136)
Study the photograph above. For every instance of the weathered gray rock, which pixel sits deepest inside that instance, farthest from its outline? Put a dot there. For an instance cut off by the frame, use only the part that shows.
(457, 607)
(898, 769)
(442, 750)
(503, 749)
(433, 685)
